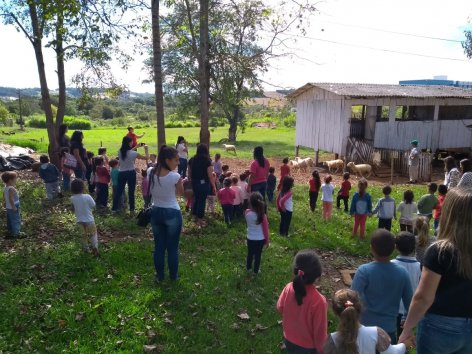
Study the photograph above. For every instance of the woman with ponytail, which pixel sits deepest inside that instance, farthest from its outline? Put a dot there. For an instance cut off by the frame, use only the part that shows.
(303, 308)
(354, 338)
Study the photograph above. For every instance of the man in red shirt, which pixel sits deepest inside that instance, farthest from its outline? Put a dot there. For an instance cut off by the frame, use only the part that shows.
(134, 137)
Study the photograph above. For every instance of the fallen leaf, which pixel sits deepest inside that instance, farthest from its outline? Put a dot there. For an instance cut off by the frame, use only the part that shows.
(118, 343)
(151, 336)
(61, 323)
(244, 316)
(260, 327)
(168, 321)
(80, 316)
(150, 348)
(258, 312)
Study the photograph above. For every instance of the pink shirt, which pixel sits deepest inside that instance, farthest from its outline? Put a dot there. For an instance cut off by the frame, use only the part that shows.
(238, 199)
(226, 196)
(259, 173)
(305, 325)
(145, 187)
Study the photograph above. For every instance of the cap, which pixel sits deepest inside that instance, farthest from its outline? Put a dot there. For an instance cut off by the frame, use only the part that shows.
(414, 142)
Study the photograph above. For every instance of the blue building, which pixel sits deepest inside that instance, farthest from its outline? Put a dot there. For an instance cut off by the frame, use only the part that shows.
(442, 81)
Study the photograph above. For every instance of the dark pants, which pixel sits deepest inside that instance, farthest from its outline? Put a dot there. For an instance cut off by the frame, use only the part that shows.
(166, 227)
(404, 227)
(102, 195)
(65, 182)
(285, 219)
(344, 199)
(237, 211)
(296, 349)
(122, 201)
(228, 210)
(385, 224)
(125, 177)
(313, 200)
(182, 169)
(245, 204)
(254, 252)
(270, 194)
(399, 325)
(79, 173)
(261, 188)
(200, 194)
(91, 185)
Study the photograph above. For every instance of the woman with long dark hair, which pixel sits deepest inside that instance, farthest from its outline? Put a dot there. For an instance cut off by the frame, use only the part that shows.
(166, 218)
(259, 170)
(182, 149)
(63, 139)
(200, 172)
(452, 174)
(127, 173)
(78, 151)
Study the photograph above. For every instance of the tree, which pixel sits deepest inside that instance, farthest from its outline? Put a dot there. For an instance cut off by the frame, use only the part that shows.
(467, 44)
(4, 113)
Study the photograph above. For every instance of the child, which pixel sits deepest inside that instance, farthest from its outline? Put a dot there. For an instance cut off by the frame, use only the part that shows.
(343, 193)
(257, 231)
(217, 166)
(361, 207)
(327, 191)
(224, 171)
(423, 239)
(114, 163)
(315, 185)
(304, 310)
(238, 200)
(381, 285)
(50, 175)
(442, 190)
(406, 244)
(103, 153)
(408, 210)
(102, 178)
(285, 205)
(271, 184)
(284, 171)
(188, 193)
(12, 204)
(226, 197)
(352, 336)
(385, 209)
(212, 195)
(152, 160)
(145, 188)
(428, 201)
(90, 172)
(66, 171)
(244, 189)
(83, 206)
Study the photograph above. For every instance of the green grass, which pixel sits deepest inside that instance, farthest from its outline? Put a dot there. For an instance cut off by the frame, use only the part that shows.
(56, 299)
(277, 142)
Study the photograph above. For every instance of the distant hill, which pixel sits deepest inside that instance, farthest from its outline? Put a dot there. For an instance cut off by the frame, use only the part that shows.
(6, 92)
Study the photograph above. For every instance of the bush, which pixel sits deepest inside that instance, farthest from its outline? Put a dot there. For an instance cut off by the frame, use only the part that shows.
(28, 143)
(72, 122)
(290, 121)
(118, 122)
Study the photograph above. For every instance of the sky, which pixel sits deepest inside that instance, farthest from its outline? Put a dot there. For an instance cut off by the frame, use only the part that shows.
(346, 41)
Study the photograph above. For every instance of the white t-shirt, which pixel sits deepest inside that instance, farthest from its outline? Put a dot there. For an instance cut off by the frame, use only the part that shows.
(163, 191)
(180, 149)
(407, 212)
(289, 204)
(83, 206)
(327, 192)
(413, 267)
(239, 195)
(254, 230)
(128, 163)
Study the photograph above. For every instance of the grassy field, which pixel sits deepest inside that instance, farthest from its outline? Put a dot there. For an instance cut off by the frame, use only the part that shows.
(280, 142)
(56, 299)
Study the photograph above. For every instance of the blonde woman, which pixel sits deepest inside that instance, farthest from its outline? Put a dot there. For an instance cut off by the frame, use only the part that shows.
(442, 303)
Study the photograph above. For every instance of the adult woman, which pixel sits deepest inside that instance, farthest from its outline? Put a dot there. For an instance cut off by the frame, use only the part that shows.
(182, 149)
(259, 170)
(77, 149)
(452, 174)
(200, 172)
(166, 218)
(466, 169)
(443, 294)
(63, 139)
(127, 173)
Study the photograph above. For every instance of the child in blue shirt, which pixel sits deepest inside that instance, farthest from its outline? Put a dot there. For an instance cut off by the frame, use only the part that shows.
(382, 284)
(361, 207)
(12, 204)
(386, 209)
(50, 175)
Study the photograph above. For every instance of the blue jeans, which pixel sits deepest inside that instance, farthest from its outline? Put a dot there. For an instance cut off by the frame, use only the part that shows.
(436, 224)
(65, 182)
(13, 221)
(166, 227)
(182, 169)
(52, 189)
(296, 349)
(444, 335)
(228, 210)
(102, 195)
(125, 177)
(261, 188)
(200, 194)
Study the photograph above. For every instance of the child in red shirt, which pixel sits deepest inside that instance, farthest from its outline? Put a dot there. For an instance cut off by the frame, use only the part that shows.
(343, 193)
(304, 310)
(284, 171)
(226, 196)
(315, 185)
(442, 190)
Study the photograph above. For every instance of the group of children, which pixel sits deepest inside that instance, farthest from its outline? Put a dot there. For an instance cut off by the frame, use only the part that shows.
(384, 287)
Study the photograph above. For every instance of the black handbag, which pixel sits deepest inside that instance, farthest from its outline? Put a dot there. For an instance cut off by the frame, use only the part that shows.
(144, 216)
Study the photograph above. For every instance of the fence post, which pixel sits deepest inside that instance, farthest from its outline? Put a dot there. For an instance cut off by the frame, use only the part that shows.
(391, 168)
(101, 143)
(297, 150)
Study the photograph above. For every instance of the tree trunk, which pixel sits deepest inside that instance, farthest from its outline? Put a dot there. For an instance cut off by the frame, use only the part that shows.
(204, 73)
(61, 107)
(45, 98)
(157, 66)
(233, 124)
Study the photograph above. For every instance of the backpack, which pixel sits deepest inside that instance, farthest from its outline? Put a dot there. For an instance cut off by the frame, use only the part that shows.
(144, 216)
(70, 161)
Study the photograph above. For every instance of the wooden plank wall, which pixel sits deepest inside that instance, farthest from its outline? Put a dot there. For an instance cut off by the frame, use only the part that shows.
(400, 163)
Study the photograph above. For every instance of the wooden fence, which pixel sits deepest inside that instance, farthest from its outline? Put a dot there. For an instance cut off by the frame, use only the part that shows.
(400, 163)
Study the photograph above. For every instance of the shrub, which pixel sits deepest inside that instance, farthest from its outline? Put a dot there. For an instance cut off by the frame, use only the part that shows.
(290, 121)
(188, 125)
(72, 122)
(28, 143)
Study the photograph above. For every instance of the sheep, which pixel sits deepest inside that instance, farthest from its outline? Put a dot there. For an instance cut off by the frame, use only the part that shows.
(338, 164)
(294, 165)
(360, 170)
(230, 148)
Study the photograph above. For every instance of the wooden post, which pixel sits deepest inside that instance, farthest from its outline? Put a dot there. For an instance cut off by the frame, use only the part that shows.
(317, 157)
(101, 143)
(297, 150)
(391, 168)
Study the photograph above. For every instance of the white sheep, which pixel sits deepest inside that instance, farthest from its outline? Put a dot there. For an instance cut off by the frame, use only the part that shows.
(230, 148)
(338, 164)
(294, 165)
(360, 170)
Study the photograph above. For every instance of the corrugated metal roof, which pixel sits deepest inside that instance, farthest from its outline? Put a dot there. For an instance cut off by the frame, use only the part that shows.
(381, 90)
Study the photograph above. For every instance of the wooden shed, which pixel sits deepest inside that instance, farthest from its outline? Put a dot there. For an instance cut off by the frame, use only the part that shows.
(349, 118)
